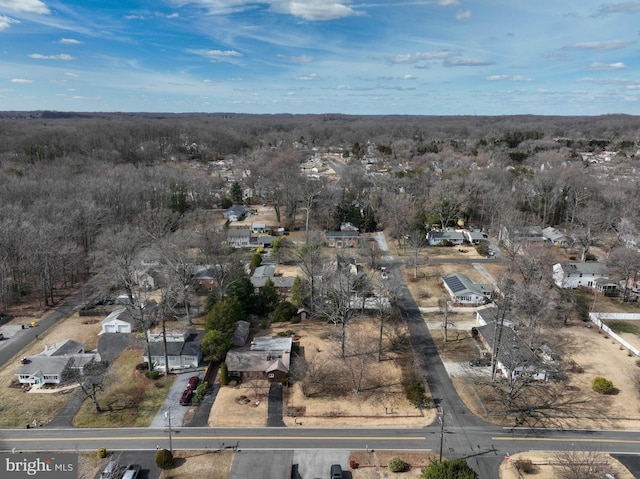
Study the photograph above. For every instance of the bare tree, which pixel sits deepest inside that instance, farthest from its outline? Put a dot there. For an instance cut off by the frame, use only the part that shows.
(91, 379)
(583, 465)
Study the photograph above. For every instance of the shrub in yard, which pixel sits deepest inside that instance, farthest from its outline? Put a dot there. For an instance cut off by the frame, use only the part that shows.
(224, 374)
(525, 466)
(164, 459)
(102, 452)
(416, 395)
(353, 464)
(201, 390)
(602, 385)
(152, 374)
(396, 464)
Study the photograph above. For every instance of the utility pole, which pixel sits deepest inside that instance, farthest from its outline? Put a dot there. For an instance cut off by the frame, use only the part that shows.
(167, 414)
(441, 419)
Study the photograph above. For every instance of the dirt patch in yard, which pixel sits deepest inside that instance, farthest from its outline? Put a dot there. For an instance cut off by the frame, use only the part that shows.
(199, 465)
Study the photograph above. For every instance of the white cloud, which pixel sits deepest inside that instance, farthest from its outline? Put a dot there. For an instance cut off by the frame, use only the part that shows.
(609, 45)
(312, 76)
(463, 15)
(25, 6)
(513, 78)
(300, 59)
(466, 62)
(307, 9)
(625, 7)
(315, 9)
(449, 3)
(436, 55)
(607, 66)
(219, 55)
(60, 56)
(71, 74)
(6, 22)
(70, 41)
(173, 15)
(21, 80)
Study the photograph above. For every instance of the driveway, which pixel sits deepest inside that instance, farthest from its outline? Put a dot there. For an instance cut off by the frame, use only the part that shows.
(171, 408)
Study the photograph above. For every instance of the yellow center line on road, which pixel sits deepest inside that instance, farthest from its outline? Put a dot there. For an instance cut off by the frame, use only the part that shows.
(205, 438)
(555, 439)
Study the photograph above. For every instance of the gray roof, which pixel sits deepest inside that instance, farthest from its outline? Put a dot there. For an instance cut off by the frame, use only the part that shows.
(513, 351)
(63, 348)
(190, 346)
(268, 343)
(461, 285)
(241, 333)
(342, 234)
(244, 360)
(592, 268)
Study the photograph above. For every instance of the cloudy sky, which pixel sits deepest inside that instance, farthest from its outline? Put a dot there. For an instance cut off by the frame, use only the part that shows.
(438, 57)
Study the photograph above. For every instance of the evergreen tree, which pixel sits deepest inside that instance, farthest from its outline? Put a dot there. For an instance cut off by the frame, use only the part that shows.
(454, 469)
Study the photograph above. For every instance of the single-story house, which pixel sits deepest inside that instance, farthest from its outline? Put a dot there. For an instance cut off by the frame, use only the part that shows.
(239, 237)
(490, 315)
(53, 365)
(267, 358)
(435, 238)
(514, 359)
(475, 236)
(282, 283)
(556, 237)
(342, 239)
(114, 323)
(258, 228)
(464, 291)
(235, 213)
(183, 349)
(573, 275)
(525, 234)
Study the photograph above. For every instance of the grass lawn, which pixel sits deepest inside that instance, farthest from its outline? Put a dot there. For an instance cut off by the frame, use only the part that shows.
(129, 399)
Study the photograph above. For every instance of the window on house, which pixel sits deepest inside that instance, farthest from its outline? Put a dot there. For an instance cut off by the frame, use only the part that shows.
(271, 375)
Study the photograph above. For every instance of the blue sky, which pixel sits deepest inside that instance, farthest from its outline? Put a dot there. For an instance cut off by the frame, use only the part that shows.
(439, 57)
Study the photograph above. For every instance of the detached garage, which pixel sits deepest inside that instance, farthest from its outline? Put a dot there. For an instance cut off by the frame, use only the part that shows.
(114, 324)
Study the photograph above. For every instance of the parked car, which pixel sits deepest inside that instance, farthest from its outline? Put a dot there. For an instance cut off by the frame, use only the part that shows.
(193, 382)
(131, 472)
(336, 471)
(480, 362)
(186, 397)
(111, 470)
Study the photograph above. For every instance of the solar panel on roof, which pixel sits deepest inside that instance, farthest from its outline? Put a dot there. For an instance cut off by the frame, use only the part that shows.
(455, 284)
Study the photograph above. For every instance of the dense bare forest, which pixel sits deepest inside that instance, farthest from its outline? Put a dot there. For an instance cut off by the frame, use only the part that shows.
(79, 190)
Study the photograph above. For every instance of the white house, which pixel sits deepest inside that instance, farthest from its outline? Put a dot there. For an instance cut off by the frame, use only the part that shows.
(54, 363)
(235, 213)
(453, 237)
(114, 322)
(573, 275)
(183, 349)
(464, 291)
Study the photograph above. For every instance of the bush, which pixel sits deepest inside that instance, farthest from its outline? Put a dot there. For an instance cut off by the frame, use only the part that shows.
(201, 390)
(164, 459)
(142, 366)
(152, 374)
(602, 385)
(396, 464)
(416, 395)
(224, 374)
(525, 466)
(102, 452)
(353, 464)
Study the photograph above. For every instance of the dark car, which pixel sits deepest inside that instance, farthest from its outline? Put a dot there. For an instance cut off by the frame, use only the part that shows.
(193, 382)
(480, 362)
(336, 471)
(186, 397)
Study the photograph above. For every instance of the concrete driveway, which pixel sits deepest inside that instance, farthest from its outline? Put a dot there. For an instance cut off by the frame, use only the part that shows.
(171, 405)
